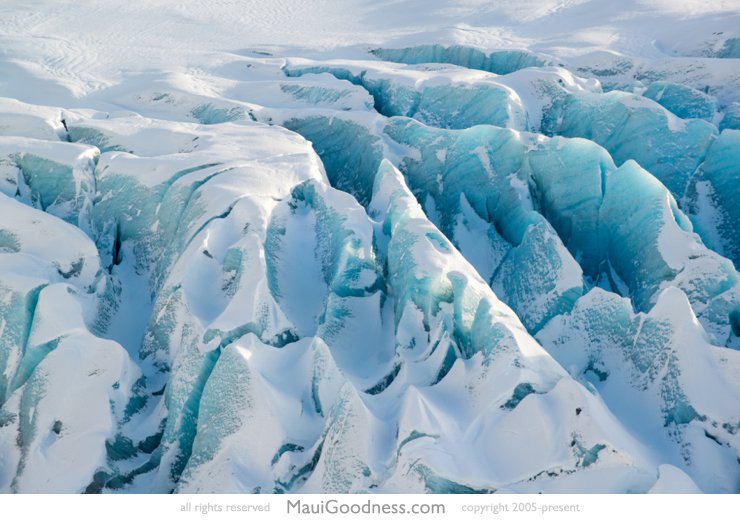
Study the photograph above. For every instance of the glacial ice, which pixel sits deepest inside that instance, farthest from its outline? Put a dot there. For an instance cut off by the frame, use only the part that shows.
(731, 117)
(498, 62)
(634, 127)
(53, 176)
(655, 365)
(716, 194)
(392, 275)
(62, 389)
(439, 98)
(685, 102)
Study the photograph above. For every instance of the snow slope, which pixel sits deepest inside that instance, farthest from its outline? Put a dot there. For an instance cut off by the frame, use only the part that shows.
(302, 246)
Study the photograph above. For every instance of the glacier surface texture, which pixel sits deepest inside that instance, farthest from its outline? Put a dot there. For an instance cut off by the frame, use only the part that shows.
(406, 268)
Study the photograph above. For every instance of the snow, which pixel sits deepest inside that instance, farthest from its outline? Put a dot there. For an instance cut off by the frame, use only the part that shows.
(673, 480)
(59, 380)
(380, 246)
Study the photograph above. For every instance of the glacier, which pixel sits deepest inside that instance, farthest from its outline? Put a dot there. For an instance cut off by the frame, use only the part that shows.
(413, 267)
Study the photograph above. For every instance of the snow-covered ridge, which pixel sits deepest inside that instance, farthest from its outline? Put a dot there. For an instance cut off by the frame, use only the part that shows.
(441, 261)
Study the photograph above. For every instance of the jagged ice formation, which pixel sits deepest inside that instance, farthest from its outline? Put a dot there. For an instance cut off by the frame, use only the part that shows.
(434, 269)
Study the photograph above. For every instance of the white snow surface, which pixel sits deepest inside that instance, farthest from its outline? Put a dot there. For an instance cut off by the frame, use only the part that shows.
(240, 252)
(55, 51)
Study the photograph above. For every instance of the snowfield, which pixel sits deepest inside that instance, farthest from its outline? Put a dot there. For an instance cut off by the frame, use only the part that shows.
(370, 246)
